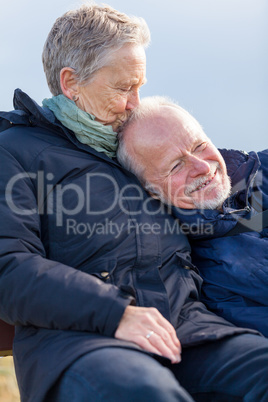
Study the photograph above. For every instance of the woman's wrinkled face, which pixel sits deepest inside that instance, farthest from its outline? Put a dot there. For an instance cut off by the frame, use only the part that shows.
(114, 90)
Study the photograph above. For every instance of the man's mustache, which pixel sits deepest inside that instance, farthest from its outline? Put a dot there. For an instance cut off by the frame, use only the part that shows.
(203, 181)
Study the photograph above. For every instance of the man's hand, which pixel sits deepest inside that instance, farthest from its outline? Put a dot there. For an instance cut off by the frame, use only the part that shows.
(151, 331)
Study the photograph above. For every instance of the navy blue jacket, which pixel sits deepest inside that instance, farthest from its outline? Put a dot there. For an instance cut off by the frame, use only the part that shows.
(234, 268)
(79, 241)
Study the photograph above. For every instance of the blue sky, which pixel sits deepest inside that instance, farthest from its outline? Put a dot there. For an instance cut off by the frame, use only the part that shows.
(211, 56)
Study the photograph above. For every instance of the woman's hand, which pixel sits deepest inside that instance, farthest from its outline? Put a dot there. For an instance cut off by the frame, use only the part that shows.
(151, 331)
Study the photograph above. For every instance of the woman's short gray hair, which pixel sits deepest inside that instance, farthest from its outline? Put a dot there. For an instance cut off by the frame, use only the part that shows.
(85, 38)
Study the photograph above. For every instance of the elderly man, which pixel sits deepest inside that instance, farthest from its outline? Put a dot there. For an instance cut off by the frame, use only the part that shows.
(219, 198)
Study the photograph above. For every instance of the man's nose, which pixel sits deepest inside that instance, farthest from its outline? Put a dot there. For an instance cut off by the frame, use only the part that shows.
(133, 100)
(199, 167)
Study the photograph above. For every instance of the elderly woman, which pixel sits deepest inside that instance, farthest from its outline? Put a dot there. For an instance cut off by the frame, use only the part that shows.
(96, 286)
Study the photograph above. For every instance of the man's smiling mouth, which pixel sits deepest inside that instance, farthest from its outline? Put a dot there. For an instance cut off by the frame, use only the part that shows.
(204, 184)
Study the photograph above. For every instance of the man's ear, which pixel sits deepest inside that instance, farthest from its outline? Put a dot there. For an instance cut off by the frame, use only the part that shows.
(68, 83)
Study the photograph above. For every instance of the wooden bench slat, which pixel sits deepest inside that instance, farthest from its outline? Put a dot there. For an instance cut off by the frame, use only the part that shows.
(7, 333)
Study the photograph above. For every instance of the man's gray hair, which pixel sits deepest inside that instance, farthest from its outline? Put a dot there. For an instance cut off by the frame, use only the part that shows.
(147, 108)
(84, 39)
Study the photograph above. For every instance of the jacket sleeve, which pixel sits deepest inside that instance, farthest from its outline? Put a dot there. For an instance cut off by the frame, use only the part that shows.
(240, 313)
(35, 290)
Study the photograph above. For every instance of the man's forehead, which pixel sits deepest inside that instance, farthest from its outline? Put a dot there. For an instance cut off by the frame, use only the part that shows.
(174, 117)
(166, 124)
(148, 129)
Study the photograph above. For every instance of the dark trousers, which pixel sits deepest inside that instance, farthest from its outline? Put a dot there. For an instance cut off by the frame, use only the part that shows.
(232, 369)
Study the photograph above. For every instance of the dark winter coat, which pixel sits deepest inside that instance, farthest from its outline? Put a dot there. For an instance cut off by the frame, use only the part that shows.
(79, 241)
(234, 268)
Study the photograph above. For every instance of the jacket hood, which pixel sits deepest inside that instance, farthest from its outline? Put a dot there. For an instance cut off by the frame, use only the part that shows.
(27, 113)
(26, 104)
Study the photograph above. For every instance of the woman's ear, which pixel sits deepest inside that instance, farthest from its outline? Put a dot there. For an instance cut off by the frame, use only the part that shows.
(68, 83)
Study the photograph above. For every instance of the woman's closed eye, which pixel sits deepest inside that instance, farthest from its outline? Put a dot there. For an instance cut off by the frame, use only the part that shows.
(125, 89)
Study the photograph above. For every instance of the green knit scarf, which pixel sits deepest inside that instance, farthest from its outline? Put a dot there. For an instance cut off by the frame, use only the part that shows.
(87, 130)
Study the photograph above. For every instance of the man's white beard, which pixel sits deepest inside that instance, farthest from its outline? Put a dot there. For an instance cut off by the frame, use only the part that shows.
(216, 202)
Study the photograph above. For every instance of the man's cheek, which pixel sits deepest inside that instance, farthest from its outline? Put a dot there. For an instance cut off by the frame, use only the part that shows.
(177, 191)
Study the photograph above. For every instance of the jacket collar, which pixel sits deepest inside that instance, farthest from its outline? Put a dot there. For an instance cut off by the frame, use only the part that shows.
(28, 113)
(242, 168)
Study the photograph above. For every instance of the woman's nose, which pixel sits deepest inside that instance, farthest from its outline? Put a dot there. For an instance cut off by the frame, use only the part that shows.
(133, 100)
